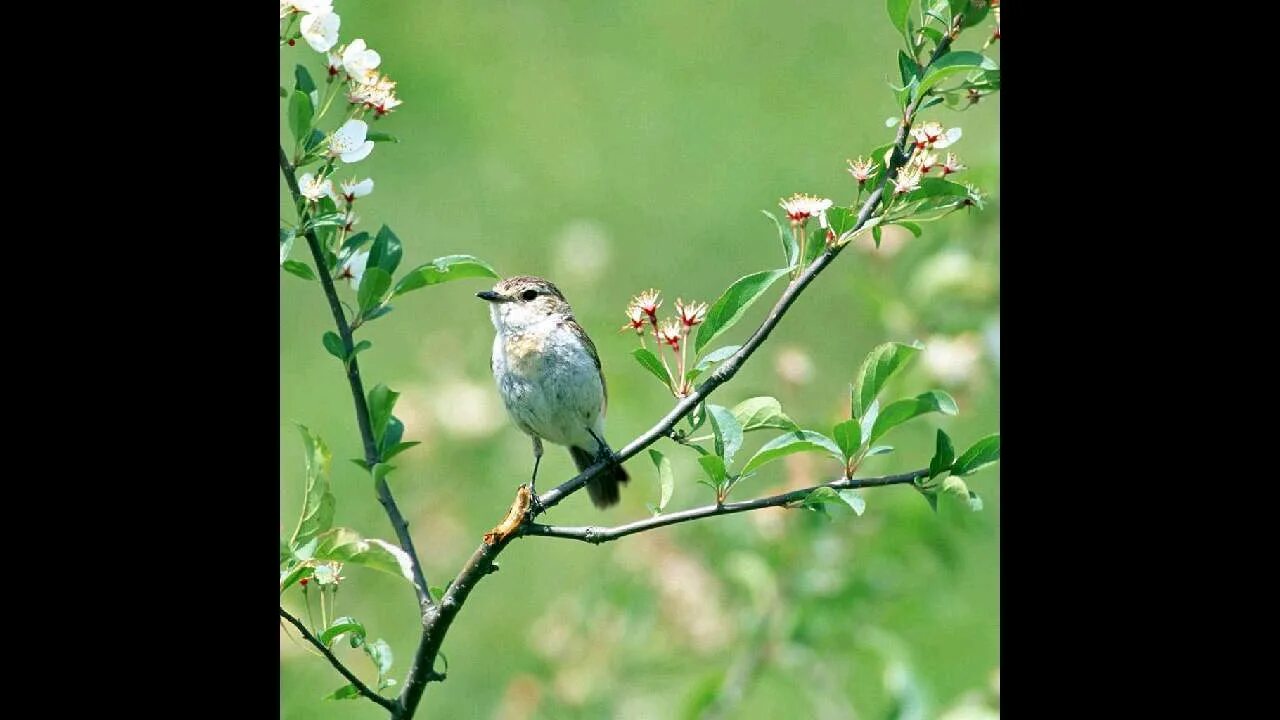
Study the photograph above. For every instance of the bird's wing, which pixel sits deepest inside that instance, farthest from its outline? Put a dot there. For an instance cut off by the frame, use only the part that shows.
(572, 325)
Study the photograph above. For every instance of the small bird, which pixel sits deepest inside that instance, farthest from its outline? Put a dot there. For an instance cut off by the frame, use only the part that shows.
(548, 373)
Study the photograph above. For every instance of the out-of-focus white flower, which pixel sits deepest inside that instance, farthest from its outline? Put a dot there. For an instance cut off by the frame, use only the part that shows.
(320, 30)
(349, 143)
(353, 268)
(926, 160)
(464, 408)
(285, 8)
(800, 208)
(952, 360)
(350, 220)
(794, 366)
(312, 189)
(352, 189)
(635, 318)
(360, 62)
(334, 61)
(581, 251)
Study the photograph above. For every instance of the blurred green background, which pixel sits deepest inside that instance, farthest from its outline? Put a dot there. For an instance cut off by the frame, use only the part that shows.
(613, 147)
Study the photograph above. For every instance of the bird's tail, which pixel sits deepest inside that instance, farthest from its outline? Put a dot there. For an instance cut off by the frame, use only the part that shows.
(602, 488)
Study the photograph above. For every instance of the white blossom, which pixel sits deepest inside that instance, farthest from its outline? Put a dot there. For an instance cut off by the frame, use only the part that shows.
(320, 30)
(349, 143)
(360, 61)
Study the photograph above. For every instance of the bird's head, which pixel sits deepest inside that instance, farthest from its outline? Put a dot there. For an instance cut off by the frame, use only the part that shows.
(520, 302)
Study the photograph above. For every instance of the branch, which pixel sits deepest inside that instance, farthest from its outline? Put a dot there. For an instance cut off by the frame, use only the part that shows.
(371, 455)
(333, 660)
(597, 535)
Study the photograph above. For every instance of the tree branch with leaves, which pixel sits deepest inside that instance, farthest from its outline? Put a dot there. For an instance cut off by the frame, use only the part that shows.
(904, 182)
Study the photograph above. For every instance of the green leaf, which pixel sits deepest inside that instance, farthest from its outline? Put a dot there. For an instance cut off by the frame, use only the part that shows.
(841, 220)
(381, 137)
(303, 79)
(398, 448)
(793, 442)
(283, 93)
(853, 499)
(907, 67)
(345, 545)
(730, 307)
(373, 288)
(824, 495)
(762, 412)
(377, 313)
(650, 362)
(346, 692)
(317, 500)
(911, 227)
(334, 219)
(313, 140)
(880, 450)
(875, 234)
(816, 243)
(341, 625)
(880, 365)
(301, 269)
(711, 358)
(954, 63)
(899, 14)
(790, 248)
(666, 480)
(934, 35)
(286, 243)
(300, 112)
(713, 466)
(382, 400)
(355, 241)
(981, 454)
(936, 188)
(727, 430)
(380, 653)
(975, 14)
(333, 344)
(391, 436)
(943, 456)
(444, 269)
(286, 555)
(290, 577)
(361, 347)
(869, 419)
(848, 435)
(386, 251)
(903, 410)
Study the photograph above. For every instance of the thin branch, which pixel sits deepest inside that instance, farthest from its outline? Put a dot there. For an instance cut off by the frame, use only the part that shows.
(597, 535)
(371, 455)
(387, 703)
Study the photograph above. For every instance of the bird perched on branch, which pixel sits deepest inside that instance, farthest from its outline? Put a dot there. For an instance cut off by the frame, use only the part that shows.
(548, 373)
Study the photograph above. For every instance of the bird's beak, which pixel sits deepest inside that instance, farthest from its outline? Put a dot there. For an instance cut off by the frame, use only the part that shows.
(492, 296)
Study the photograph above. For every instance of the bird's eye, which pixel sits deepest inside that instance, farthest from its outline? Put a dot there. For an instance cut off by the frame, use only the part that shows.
(528, 295)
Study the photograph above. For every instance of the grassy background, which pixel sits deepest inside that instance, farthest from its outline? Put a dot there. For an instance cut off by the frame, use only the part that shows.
(613, 147)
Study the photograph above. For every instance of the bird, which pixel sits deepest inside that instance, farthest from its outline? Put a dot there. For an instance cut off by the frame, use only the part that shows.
(548, 374)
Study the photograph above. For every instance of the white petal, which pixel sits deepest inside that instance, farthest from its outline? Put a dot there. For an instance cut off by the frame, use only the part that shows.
(951, 137)
(348, 137)
(359, 153)
(321, 31)
(362, 188)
